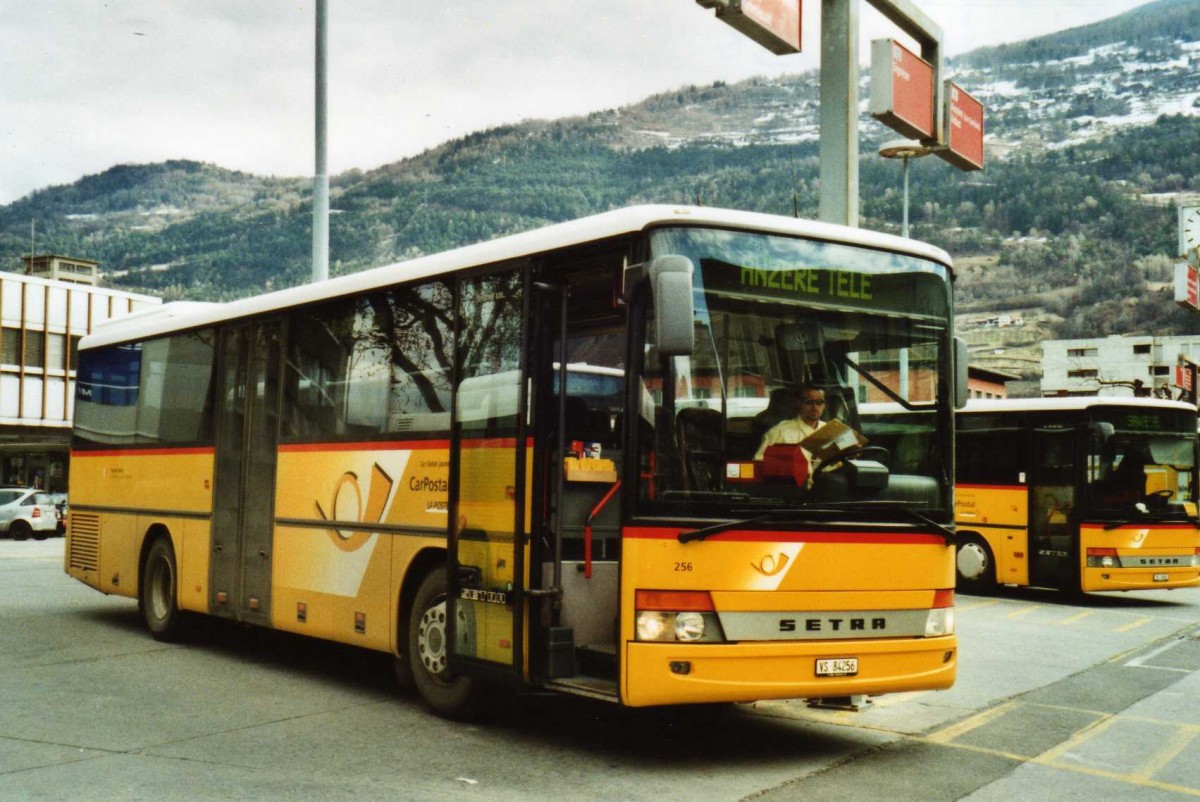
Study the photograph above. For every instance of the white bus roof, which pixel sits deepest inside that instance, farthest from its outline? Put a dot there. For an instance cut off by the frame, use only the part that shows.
(561, 235)
(1070, 403)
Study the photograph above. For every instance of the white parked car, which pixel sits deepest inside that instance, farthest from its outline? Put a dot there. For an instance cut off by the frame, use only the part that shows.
(25, 511)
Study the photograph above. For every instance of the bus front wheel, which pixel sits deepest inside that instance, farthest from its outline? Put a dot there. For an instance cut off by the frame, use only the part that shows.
(446, 693)
(975, 565)
(157, 598)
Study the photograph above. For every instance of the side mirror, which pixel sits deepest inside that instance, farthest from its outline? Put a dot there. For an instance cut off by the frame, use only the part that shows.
(961, 393)
(674, 316)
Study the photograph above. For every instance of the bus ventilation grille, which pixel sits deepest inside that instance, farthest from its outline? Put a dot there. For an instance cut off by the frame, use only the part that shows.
(85, 541)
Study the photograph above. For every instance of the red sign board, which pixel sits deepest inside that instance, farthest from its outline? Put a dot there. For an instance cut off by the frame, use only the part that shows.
(964, 129)
(901, 89)
(1187, 286)
(774, 24)
(1183, 377)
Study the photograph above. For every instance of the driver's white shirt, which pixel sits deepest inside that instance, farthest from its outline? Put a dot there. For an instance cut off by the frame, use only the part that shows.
(788, 432)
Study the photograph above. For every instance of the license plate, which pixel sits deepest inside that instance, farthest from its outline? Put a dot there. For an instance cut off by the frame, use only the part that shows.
(1161, 577)
(837, 667)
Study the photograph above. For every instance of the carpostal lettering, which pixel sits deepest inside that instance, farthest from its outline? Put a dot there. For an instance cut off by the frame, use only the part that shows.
(428, 484)
(831, 283)
(833, 624)
(486, 596)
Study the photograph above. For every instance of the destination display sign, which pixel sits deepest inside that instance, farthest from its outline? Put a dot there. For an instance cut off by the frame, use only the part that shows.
(964, 129)
(774, 24)
(911, 292)
(902, 90)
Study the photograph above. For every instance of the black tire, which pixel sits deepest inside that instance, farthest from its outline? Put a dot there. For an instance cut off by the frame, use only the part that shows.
(158, 594)
(447, 694)
(19, 530)
(975, 565)
(41, 534)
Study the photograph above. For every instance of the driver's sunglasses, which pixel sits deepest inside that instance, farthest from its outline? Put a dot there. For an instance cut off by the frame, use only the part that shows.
(816, 401)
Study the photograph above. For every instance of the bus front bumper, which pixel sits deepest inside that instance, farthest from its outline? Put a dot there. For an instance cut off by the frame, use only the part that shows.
(1152, 578)
(691, 673)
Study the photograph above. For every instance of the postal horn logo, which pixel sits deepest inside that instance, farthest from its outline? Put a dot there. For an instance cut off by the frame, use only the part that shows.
(770, 565)
(350, 507)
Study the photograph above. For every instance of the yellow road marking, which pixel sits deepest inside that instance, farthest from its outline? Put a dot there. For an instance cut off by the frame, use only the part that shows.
(1077, 617)
(1171, 751)
(1081, 736)
(976, 605)
(1049, 758)
(1024, 611)
(948, 734)
(1139, 623)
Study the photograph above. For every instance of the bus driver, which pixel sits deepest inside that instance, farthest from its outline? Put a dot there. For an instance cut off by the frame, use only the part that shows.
(811, 405)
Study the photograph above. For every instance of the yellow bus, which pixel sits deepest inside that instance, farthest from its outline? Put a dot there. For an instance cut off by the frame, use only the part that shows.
(1081, 494)
(531, 462)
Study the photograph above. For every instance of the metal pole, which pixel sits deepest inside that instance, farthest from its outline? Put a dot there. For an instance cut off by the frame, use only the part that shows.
(839, 112)
(320, 244)
(904, 227)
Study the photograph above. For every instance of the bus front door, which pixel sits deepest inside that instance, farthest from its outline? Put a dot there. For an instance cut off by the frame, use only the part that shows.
(244, 485)
(578, 350)
(487, 555)
(1052, 543)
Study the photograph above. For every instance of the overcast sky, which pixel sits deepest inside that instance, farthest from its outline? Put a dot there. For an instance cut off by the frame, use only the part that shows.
(88, 84)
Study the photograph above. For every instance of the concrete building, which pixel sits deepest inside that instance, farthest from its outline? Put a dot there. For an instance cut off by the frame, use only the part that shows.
(988, 383)
(1124, 365)
(41, 322)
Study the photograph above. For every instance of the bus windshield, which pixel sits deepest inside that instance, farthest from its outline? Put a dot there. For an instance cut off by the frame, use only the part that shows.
(1141, 462)
(778, 317)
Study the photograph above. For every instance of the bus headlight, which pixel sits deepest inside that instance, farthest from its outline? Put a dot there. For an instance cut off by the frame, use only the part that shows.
(652, 625)
(689, 626)
(674, 616)
(940, 621)
(1103, 558)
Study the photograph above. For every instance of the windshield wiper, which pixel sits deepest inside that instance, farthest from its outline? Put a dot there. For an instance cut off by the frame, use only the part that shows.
(1148, 516)
(946, 532)
(716, 529)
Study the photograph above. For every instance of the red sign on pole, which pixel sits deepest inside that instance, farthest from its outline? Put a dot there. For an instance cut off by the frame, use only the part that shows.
(1183, 377)
(901, 89)
(964, 129)
(774, 24)
(1187, 286)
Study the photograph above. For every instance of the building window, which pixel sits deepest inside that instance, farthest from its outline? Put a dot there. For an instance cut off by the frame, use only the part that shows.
(55, 355)
(1160, 370)
(73, 353)
(1090, 373)
(1081, 352)
(1142, 349)
(12, 346)
(35, 349)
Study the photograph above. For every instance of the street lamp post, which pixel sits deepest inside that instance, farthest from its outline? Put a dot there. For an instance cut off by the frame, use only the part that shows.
(904, 150)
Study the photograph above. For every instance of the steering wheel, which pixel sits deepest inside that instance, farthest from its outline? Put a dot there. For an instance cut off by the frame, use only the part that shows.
(851, 453)
(1164, 495)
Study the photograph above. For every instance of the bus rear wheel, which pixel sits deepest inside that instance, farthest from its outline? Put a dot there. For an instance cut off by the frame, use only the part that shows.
(448, 694)
(157, 594)
(975, 565)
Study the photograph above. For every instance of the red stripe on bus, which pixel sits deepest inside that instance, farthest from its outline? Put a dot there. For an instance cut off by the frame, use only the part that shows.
(1134, 525)
(142, 452)
(645, 533)
(369, 445)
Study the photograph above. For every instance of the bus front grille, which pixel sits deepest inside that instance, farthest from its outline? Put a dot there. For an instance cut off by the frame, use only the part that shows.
(85, 541)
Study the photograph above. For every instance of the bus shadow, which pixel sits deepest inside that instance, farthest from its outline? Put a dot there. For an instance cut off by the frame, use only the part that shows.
(691, 736)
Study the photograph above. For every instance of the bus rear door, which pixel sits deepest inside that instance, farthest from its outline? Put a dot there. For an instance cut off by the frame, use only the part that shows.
(244, 487)
(1053, 526)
